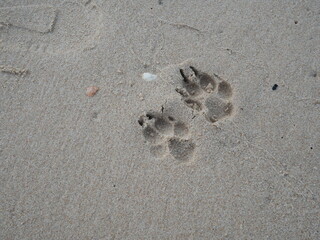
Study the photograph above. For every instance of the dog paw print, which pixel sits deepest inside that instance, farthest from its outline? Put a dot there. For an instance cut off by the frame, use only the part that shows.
(166, 136)
(205, 94)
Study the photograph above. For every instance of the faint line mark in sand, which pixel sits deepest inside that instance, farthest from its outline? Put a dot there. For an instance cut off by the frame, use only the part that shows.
(167, 136)
(68, 27)
(181, 25)
(14, 70)
(38, 18)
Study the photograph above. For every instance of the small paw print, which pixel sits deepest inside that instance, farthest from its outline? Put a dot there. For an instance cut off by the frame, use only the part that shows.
(166, 136)
(208, 95)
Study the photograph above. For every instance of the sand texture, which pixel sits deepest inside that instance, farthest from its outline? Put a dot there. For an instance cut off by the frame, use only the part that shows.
(159, 119)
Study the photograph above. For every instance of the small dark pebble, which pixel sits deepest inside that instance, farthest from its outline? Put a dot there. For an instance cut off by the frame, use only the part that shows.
(311, 148)
(95, 115)
(274, 87)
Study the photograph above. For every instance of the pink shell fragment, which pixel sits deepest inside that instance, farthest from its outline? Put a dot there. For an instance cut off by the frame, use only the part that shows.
(91, 91)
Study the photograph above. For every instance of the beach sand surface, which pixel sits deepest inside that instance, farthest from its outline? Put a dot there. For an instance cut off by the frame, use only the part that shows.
(159, 119)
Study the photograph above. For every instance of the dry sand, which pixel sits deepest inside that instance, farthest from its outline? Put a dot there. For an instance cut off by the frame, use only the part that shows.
(215, 151)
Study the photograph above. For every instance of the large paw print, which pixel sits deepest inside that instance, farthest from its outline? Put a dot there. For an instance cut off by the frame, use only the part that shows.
(167, 136)
(208, 95)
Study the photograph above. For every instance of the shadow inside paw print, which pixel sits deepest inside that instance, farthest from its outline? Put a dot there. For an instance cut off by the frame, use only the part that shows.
(167, 136)
(209, 95)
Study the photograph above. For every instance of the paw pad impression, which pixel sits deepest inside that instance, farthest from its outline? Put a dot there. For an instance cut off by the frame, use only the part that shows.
(167, 136)
(209, 95)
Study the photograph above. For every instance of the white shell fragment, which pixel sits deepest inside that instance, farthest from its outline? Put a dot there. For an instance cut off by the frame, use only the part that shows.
(149, 76)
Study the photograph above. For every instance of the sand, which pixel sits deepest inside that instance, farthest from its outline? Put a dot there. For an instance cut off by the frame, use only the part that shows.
(205, 126)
